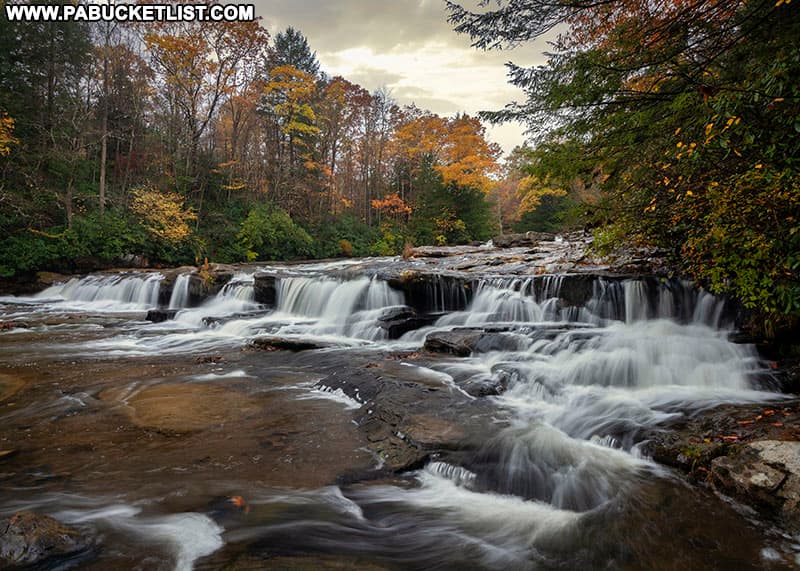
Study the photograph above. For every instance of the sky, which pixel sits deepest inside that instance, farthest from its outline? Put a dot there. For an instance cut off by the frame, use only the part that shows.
(408, 47)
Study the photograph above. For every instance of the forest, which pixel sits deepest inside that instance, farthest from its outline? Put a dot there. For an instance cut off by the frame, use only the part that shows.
(673, 125)
(177, 142)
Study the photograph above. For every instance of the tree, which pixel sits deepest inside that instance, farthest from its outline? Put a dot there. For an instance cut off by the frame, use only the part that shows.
(198, 62)
(290, 48)
(686, 115)
(6, 134)
(163, 213)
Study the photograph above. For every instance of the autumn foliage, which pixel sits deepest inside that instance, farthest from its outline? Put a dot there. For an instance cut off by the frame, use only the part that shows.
(682, 117)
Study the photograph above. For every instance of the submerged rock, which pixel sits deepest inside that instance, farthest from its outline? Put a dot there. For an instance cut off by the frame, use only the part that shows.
(27, 538)
(177, 408)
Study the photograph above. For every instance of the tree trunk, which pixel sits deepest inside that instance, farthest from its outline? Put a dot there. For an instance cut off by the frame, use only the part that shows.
(104, 129)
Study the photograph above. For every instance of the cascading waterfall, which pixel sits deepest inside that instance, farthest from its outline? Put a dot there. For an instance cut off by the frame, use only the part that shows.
(236, 296)
(523, 301)
(585, 395)
(117, 291)
(180, 292)
(344, 308)
(585, 371)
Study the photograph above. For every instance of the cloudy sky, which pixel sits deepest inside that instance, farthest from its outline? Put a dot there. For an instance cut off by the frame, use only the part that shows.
(408, 47)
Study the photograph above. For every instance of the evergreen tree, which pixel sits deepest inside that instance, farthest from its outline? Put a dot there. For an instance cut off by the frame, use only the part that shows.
(290, 47)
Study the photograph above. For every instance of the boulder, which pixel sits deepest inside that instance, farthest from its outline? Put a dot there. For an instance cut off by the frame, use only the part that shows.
(28, 539)
(397, 321)
(764, 473)
(521, 240)
(272, 343)
(160, 315)
(265, 289)
(459, 342)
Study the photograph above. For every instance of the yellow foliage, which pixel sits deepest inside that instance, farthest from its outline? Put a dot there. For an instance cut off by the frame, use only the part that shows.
(163, 213)
(6, 134)
(531, 189)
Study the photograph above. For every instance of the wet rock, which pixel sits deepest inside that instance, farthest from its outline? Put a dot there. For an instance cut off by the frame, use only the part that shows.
(433, 292)
(271, 343)
(28, 539)
(201, 288)
(407, 422)
(46, 279)
(216, 321)
(397, 321)
(764, 473)
(432, 432)
(483, 387)
(181, 407)
(265, 289)
(521, 240)
(160, 315)
(459, 342)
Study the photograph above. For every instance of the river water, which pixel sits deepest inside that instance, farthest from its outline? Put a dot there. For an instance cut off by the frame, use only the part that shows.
(175, 445)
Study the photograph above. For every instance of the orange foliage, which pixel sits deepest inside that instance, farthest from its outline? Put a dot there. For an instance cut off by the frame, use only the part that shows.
(391, 205)
(457, 147)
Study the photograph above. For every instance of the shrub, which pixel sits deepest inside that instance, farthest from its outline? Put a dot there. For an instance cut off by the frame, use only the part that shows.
(269, 233)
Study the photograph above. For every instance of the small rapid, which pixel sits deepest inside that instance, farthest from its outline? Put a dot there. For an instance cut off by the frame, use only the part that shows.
(574, 377)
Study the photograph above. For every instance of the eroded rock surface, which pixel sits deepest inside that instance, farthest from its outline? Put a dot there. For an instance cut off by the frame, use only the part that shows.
(408, 422)
(28, 539)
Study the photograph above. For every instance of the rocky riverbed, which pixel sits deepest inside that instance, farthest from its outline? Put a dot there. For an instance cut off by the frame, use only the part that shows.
(518, 405)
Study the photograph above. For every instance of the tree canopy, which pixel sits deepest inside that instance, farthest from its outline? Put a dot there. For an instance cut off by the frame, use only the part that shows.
(177, 141)
(684, 115)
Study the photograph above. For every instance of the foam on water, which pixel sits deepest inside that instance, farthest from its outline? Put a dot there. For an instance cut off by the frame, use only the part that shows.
(188, 536)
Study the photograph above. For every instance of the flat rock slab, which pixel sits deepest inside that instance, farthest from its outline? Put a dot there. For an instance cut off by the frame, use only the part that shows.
(766, 473)
(271, 343)
(9, 386)
(182, 407)
(406, 422)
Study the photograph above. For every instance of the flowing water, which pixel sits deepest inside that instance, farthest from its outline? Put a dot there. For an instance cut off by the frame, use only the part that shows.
(138, 433)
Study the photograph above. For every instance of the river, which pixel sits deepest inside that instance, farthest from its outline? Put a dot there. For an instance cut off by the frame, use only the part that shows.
(181, 444)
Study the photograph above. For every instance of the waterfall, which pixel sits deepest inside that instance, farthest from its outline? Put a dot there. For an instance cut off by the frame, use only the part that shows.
(500, 300)
(236, 296)
(109, 292)
(180, 292)
(339, 307)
